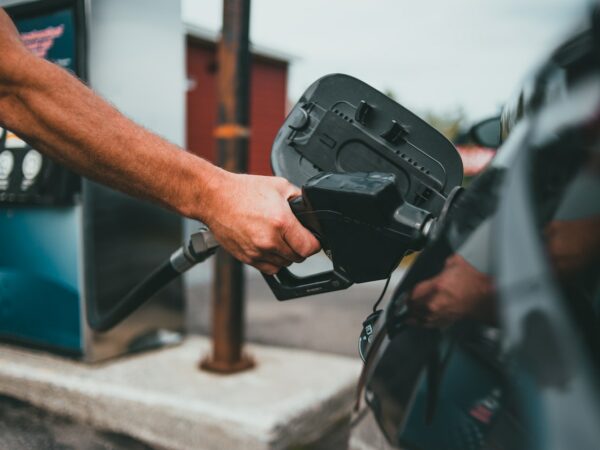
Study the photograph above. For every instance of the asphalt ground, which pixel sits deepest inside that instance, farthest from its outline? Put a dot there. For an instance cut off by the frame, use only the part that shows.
(23, 427)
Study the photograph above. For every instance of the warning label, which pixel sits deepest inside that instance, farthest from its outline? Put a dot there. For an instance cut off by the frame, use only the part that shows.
(40, 41)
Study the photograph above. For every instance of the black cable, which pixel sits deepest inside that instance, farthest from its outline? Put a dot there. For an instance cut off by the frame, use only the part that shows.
(387, 282)
(161, 276)
(200, 246)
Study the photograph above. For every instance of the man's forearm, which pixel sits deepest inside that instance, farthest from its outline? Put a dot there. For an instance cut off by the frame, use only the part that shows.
(63, 118)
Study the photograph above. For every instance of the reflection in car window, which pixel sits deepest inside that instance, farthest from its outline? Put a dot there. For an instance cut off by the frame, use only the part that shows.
(566, 192)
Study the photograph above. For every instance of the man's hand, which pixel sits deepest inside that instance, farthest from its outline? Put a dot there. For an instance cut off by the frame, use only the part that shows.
(458, 292)
(252, 220)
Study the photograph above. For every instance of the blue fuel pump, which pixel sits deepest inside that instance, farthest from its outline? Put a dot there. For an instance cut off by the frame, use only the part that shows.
(69, 248)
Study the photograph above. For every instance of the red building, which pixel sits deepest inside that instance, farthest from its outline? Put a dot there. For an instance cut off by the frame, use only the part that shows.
(268, 95)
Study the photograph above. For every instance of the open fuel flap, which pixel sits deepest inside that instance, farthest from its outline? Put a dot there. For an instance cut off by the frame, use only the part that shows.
(375, 180)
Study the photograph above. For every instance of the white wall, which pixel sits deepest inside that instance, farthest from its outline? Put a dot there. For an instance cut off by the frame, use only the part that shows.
(137, 61)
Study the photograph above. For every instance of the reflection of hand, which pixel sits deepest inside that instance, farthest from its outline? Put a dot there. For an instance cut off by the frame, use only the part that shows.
(251, 218)
(573, 245)
(458, 292)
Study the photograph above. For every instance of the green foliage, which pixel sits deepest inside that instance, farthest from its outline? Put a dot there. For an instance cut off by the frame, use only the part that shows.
(449, 124)
(391, 94)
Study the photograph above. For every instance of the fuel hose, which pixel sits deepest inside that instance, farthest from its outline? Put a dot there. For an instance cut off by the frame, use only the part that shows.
(200, 246)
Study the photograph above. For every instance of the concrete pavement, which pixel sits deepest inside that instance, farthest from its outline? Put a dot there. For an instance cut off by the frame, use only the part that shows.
(292, 398)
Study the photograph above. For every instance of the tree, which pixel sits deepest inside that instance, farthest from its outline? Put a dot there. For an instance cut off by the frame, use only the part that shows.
(449, 124)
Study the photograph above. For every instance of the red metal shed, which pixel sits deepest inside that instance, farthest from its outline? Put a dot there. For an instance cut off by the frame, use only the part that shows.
(268, 95)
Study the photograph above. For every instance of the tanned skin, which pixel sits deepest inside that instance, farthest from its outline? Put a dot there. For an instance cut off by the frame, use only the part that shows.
(64, 119)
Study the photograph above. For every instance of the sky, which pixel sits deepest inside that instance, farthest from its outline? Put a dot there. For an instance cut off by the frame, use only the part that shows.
(436, 56)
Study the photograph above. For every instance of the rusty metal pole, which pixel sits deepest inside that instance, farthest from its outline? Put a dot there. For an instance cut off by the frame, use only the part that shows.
(232, 139)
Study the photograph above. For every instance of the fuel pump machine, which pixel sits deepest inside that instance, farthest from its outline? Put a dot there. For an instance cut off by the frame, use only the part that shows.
(68, 245)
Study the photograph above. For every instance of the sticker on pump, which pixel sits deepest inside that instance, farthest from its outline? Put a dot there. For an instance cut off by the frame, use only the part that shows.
(32, 164)
(7, 162)
(14, 141)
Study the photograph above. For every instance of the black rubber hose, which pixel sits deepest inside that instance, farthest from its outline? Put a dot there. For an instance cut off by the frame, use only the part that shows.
(161, 276)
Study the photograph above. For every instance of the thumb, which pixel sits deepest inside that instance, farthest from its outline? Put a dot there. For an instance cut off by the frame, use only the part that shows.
(295, 235)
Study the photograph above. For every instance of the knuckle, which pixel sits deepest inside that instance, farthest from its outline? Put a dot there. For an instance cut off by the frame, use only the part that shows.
(307, 248)
(304, 248)
(302, 252)
(314, 248)
(281, 182)
(265, 245)
(284, 185)
(279, 222)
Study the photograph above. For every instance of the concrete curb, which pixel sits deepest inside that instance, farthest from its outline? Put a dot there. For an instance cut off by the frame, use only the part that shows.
(293, 398)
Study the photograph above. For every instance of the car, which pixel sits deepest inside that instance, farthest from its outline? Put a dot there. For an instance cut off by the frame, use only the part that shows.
(531, 221)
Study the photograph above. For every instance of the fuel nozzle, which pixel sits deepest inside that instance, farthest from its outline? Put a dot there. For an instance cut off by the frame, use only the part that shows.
(364, 225)
(200, 246)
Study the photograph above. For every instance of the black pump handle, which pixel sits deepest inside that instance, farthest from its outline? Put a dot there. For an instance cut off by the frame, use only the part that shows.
(286, 286)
